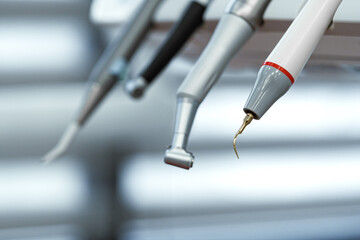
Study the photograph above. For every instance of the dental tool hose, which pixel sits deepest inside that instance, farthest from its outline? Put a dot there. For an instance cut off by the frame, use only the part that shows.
(109, 69)
(236, 26)
(190, 21)
(286, 61)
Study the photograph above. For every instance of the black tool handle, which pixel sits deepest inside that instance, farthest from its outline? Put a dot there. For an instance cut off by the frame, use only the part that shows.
(179, 34)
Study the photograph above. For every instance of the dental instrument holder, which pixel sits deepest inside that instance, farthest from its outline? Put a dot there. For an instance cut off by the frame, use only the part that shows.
(235, 27)
(190, 21)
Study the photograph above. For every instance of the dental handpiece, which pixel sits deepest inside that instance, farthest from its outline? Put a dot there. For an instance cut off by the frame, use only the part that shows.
(288, 58)
(236, 26)
(189, 22)
(110, 68)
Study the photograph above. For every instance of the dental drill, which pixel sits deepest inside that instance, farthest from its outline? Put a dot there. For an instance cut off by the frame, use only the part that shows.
(110, 68)
(286, 61)
(236, 26)
(189, 22)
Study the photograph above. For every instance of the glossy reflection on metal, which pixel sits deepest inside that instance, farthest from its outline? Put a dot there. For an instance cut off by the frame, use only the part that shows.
(135, 87)
(178, 157)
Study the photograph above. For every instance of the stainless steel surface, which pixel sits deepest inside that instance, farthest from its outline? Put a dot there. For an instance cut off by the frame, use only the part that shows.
(94, 97)
(230, 35)
(176, 154)
(178, 157)
(251, 10)
(124, 45)
(186, 110)
(97, 91)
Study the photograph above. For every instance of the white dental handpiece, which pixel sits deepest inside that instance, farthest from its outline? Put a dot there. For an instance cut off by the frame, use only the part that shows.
(109, 69)
(235, 27)
(288, 58)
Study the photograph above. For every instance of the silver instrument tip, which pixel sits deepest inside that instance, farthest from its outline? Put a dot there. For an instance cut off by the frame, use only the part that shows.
(63, 144)
(135, 87)
(179, 157)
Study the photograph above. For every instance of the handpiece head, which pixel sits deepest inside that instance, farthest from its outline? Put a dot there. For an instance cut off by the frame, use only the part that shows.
(247, 120)
(135, 87)
(178, 157)
(176, 154)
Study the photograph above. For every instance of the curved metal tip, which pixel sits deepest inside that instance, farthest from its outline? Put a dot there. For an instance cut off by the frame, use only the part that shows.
(63, 144)
(247, 120)
(53, 154)
(234, 144)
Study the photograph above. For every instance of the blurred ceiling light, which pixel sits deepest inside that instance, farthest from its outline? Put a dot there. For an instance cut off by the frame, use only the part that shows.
(272, 177)
(112, 11)
(315, 109)
(53, 232)
(27, 187)
(37, 45)
(212, 227)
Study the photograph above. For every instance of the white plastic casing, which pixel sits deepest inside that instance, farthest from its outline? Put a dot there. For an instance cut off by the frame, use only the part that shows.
(290, 55)
(296, 46)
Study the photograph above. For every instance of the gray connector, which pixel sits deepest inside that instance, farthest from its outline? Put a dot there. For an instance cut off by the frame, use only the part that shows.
(270, 85)
(235, 27)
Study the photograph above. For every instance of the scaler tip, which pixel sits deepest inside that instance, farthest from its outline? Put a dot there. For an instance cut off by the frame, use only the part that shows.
(63, 143)
(247, 120)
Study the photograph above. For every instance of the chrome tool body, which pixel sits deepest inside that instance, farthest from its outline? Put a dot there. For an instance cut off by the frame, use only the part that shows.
(286, 61)
(190, 21)
(236, 26)
(109, 69)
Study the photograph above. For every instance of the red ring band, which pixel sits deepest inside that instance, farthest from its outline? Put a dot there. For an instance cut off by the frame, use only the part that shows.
(283, 70)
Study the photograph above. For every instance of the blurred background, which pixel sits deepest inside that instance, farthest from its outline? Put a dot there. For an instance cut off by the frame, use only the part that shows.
(298, 172)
